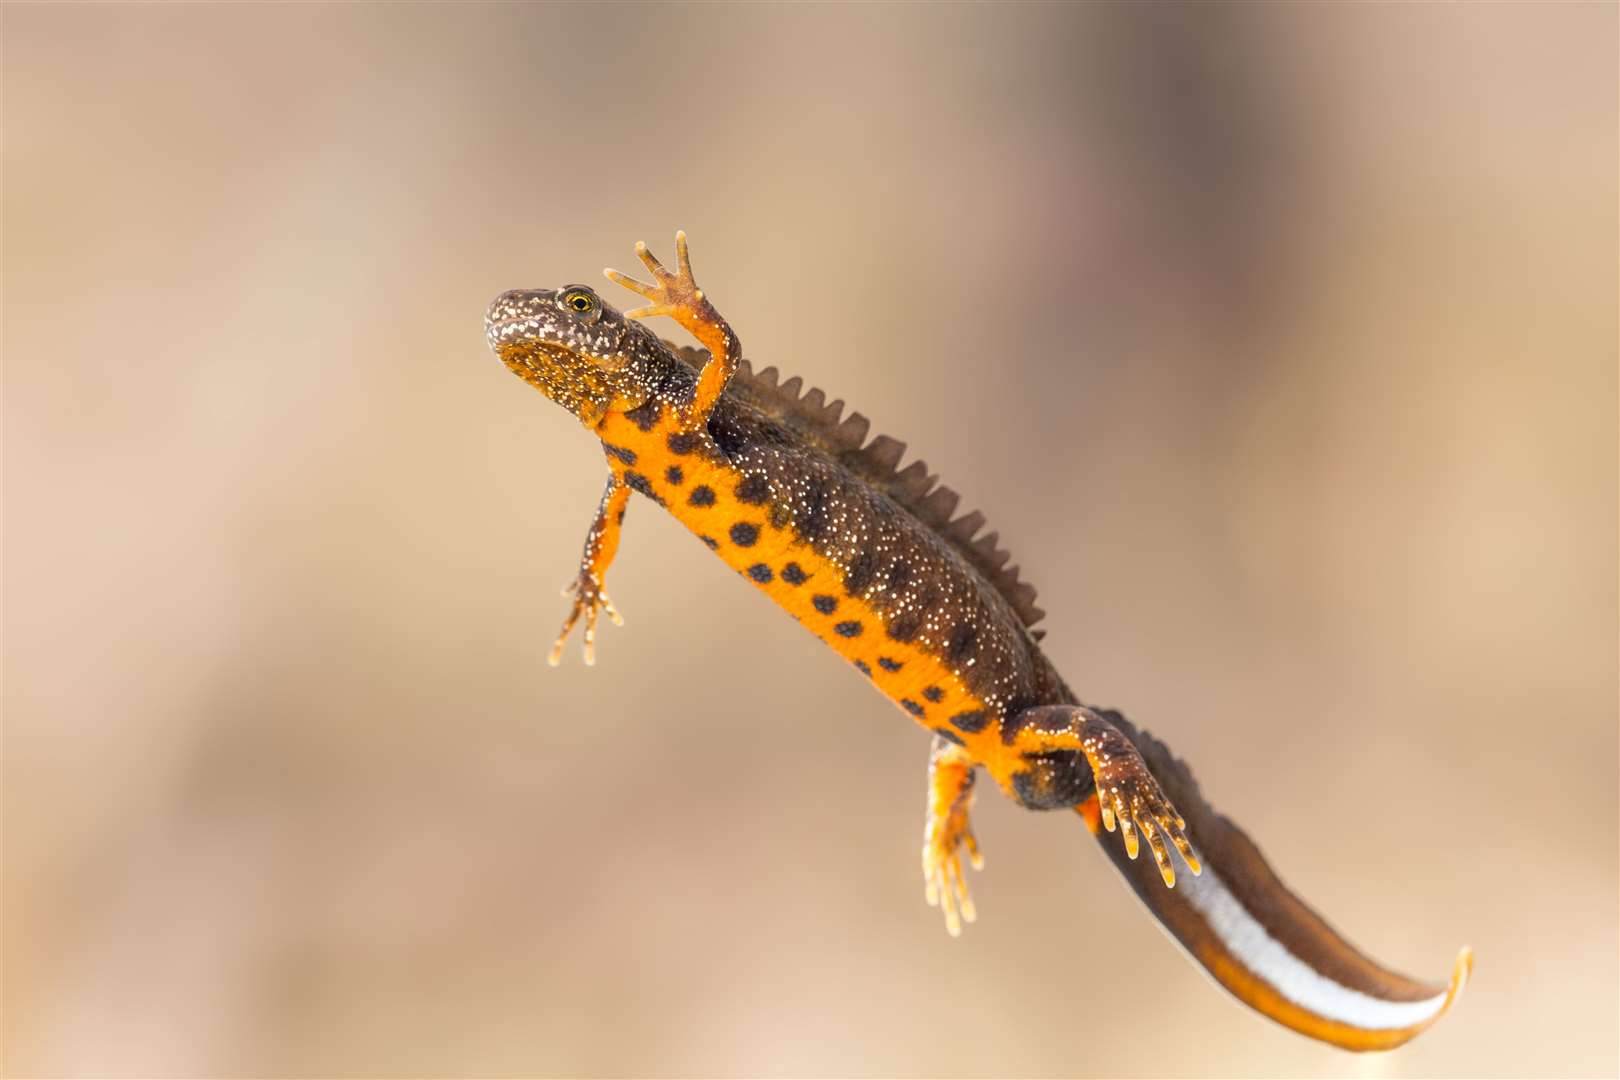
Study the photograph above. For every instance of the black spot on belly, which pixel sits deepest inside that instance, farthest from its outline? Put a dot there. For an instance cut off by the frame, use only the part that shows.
(852, 628)
(963, 640)
(824, 603)
(714, 545)
(1053, 780)
(890, 665)
(949, 736)
(864, 668)
(674, 475)
(644, 416)
(911, 707)
(754, 490)
(934, 694)
(744, 533)
(702, 495)
(626, 456)
(971, 722)
(682, 442)
(636, 482)
(761, 573)
(860, 573)
(793, 574)
(905, 627)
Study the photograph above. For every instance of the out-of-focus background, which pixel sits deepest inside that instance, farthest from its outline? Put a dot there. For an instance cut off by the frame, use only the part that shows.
(1278, 341)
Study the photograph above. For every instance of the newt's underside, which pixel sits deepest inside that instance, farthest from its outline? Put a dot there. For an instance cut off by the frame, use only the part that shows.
(792, 495)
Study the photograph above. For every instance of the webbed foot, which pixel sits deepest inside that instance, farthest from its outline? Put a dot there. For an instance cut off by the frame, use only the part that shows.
(944, 884)
(590, 598)
(675, 295)
(1129, 796)
(946, 831)
(678, 296)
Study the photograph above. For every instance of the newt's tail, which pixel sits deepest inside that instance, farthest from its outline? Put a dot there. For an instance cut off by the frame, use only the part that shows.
(1259, 941)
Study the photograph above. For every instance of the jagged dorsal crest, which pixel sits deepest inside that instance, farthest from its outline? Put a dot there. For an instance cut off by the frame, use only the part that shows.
(878, 463)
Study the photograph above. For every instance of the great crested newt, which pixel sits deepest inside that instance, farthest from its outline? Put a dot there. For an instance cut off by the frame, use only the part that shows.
(872, 559)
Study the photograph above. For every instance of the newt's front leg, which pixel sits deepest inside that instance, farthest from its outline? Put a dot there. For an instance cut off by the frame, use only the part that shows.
(601, 544)
(678, 296)
(946, 829)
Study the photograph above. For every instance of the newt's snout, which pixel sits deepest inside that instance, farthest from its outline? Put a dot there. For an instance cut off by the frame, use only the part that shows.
(520, 315)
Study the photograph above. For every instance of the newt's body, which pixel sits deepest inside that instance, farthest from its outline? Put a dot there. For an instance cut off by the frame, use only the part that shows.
(792, 496)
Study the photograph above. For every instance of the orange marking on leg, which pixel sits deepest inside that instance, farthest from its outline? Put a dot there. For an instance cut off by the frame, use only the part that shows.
(1091, 811)
(677, 296)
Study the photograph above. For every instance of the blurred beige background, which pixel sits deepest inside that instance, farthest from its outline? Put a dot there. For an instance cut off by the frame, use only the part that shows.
(1278, 341)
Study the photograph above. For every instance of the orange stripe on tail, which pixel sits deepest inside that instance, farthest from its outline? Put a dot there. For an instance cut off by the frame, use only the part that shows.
(1259, 941)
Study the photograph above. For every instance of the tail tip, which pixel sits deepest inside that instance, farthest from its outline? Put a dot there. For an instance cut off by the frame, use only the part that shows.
(1461, 971)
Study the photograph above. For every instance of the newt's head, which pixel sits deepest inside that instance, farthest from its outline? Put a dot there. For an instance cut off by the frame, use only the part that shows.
(578, 351)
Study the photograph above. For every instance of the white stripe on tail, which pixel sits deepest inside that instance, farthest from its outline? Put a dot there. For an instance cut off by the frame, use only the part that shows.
(1259, 941)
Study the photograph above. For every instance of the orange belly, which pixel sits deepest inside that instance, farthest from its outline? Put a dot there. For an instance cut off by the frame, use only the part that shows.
(702, 494)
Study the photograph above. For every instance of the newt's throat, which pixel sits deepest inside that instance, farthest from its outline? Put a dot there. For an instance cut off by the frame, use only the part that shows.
(579, 383)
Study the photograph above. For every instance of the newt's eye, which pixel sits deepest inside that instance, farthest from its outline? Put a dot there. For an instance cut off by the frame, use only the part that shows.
(580, 301)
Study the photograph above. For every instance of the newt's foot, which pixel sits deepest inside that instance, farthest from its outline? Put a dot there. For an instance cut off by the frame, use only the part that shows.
(944, 883)
(1128, 794)
(589, 599)
(678, 296)
(675, 295)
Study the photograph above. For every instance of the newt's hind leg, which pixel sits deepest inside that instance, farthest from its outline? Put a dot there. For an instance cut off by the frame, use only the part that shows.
(946, 829)
(678, 296)
(601, 544)
(1045, 740)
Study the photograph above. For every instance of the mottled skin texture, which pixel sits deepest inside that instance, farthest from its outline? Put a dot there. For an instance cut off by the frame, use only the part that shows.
(864, 556)
(847, 560)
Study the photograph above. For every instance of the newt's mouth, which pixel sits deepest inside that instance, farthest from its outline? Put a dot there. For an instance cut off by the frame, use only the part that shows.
(523, 331)
(504, 328)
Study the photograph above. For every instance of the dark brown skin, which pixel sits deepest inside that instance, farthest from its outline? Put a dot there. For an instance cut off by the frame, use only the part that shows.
(790, 494)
